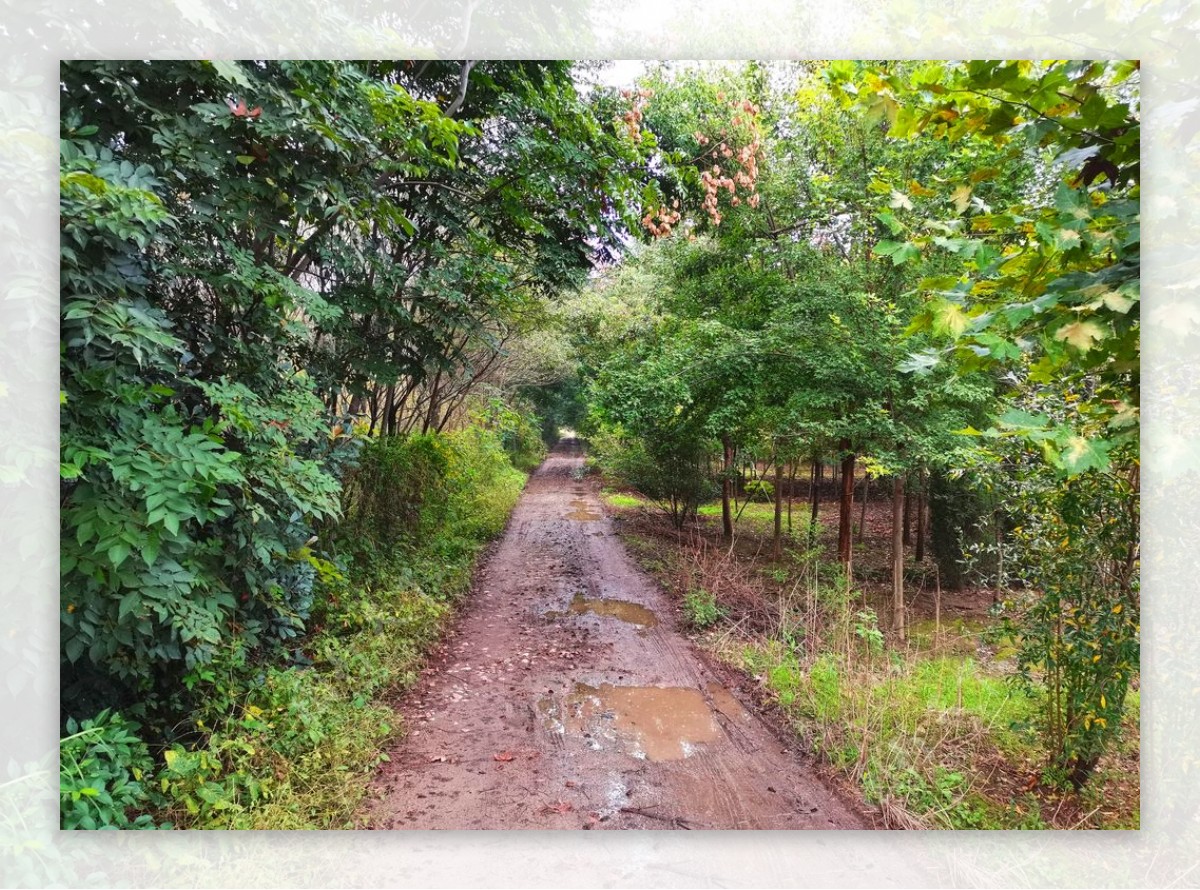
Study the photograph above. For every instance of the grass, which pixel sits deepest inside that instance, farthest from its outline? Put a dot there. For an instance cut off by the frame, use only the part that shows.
(924, 733)
(622, 500)
(933, 731)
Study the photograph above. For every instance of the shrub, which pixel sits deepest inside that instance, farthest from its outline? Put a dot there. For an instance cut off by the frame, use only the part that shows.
(701, 609)
(105, 775)
(760, 490)
(676, 475)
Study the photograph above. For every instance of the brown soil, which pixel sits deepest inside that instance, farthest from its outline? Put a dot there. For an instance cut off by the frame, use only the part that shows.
(567, 697)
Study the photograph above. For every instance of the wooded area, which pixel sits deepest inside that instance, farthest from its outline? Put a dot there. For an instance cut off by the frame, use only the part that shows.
(862, 333)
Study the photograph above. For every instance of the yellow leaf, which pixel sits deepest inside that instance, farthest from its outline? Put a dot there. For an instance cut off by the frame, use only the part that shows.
(1080, 334)
(1117, 302)
(951, 319)
(1117, 609)
(899, 199)
(961, 198)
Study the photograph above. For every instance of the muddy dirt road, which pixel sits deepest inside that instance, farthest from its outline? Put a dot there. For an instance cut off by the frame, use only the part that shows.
(566, 697)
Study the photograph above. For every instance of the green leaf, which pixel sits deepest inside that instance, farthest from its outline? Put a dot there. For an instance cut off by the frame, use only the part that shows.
(232, 72)
(1082, 454)
(128, 603)
(950, 319)
(118, 553)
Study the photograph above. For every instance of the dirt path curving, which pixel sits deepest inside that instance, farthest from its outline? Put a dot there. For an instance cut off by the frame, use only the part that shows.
(567, 698)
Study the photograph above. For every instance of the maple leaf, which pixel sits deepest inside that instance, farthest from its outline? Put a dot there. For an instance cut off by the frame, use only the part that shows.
(1080, 334)
(961, 198)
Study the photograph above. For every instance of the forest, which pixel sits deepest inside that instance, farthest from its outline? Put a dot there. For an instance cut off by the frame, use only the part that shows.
(851, 348)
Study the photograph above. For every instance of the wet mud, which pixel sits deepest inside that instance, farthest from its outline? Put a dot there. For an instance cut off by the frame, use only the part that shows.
(567, 697)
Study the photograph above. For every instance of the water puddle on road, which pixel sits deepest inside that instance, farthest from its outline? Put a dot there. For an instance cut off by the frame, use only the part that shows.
(631, 613)
(648, 722)
(582, 512)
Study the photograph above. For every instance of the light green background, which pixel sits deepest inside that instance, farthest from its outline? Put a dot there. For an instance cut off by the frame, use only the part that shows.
(34, 37)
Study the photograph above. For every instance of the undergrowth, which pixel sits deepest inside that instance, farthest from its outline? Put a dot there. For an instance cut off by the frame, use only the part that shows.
(934, 732)
(293, 744)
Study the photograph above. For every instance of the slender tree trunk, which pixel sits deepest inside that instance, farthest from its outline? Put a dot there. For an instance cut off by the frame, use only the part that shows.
(726, 485)
(920, 554)
(898, 555)
(791, 491)
(434, 403)
(777, 546)
(907, 514)
(999, 558)
(389, 411)
(374, 403)
(818, 471)
(846, 508)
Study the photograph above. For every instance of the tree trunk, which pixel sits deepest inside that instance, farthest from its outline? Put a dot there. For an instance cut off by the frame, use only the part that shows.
(818, 471)
(920, 554)
(777, 545)
(434, 403)
(389, 411)
(846, 507)
(907, 515)
(791, 491)
(898, 555)
(726, 485)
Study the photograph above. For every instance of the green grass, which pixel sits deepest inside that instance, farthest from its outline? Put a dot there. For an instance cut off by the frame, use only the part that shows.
(620, 499)
(913, 731)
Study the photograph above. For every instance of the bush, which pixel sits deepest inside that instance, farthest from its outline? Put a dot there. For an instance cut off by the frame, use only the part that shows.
(701, 609)
(675, 475)
(760, 490)
(294, 747)
(105, 775)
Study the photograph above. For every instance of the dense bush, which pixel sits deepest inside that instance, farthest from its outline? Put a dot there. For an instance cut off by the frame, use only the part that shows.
(675, 474)
(106, 774)
(292, 744)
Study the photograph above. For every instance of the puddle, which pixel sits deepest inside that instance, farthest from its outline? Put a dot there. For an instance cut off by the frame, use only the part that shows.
(631, 613)
(582, 512)
(724, 701)
(653, 723)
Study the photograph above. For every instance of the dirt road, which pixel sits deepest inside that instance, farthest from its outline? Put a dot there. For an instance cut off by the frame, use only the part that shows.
(566, 697)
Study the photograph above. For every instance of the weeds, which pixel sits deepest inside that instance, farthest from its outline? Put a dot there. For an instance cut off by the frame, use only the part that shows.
(935, 733)
(701, 609)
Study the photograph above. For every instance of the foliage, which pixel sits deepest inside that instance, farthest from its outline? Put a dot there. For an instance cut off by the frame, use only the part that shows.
(105, 775)
(1050, 279)
(701, 609)
(1079, 617)
(674, 473)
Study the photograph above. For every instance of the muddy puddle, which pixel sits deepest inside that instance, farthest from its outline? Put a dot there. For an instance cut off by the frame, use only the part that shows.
(582, 512)
(622, 610)
(653, 723)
